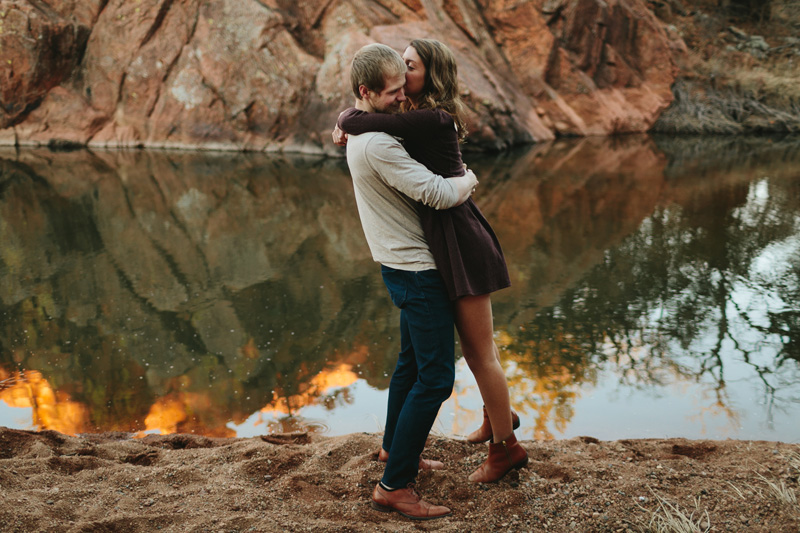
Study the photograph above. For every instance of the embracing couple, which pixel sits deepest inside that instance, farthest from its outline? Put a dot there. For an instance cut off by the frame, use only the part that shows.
(440, 259)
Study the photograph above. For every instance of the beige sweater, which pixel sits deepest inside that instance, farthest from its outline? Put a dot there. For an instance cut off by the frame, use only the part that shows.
(387, 184)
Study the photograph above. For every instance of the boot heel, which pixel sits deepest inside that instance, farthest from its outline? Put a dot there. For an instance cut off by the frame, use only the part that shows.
(378, 507)
(522, 464)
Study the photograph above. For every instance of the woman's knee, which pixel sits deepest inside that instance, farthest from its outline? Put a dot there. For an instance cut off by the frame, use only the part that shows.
(479, 357)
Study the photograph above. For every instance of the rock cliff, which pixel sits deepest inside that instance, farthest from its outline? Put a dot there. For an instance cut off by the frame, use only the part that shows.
(271, 75)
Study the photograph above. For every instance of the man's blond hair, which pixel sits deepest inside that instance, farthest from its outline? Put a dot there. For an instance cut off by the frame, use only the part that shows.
(372, 65)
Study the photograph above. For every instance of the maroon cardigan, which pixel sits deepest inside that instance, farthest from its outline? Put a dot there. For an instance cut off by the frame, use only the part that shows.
(464, 246)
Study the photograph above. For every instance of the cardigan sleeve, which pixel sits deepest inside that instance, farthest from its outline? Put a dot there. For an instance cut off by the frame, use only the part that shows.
(414, 123)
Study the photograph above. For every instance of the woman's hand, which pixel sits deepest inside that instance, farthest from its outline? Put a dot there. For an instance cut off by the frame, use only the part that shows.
(339, 137)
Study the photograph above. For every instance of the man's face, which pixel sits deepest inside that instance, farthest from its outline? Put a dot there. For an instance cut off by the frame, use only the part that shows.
(388, 100)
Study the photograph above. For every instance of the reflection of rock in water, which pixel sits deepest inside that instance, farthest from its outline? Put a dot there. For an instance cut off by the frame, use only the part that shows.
(654, 284)
(696, 157)
(556, 210)
(166, 265)
(186, 291)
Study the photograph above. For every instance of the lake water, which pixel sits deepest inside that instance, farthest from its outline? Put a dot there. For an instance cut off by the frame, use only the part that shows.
(656, 290)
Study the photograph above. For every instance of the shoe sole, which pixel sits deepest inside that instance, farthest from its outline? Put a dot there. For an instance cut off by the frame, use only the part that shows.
(386, 509)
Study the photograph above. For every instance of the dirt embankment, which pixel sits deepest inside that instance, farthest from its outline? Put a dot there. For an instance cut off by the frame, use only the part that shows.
(53, 482)
(738, 74)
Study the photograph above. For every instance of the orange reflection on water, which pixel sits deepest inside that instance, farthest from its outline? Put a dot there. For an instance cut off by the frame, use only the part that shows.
(549, 388)
(51, 409)
(327, 380)
(177, 413)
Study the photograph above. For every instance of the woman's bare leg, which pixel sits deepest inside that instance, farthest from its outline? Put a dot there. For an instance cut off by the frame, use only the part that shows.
(476, 333)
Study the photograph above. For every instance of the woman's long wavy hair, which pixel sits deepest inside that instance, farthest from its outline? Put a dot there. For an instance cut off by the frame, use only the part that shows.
(441, 82)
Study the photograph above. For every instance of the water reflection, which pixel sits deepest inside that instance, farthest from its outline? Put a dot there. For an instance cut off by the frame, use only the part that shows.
(184, 291)
(694, 280)
(225, 294)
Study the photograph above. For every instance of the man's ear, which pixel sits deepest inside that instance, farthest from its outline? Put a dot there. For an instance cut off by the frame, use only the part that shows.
(363, 91)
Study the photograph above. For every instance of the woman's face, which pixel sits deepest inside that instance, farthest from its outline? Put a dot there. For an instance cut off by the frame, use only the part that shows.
(415, 75)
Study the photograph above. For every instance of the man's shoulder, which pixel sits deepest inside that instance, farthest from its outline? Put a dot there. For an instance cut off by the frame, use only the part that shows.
(371, 144)
(373, 139)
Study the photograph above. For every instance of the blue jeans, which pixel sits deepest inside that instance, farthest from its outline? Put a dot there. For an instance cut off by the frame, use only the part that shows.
(425, 373)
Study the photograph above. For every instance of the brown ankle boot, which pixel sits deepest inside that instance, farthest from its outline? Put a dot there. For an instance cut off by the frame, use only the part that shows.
(484, 433)
(503, 456)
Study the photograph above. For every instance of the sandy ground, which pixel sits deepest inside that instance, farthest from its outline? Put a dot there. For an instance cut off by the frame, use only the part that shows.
(111, 482)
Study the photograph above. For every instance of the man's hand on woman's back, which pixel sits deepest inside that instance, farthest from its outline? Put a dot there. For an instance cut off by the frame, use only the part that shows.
(465, 185)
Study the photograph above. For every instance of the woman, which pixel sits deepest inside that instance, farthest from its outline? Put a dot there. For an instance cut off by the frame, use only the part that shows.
(465, 249)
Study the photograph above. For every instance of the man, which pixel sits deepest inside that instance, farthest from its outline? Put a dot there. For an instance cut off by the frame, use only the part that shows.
(388, 183)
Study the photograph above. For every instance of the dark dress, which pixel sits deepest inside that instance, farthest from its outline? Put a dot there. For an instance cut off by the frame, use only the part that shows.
(464, 247)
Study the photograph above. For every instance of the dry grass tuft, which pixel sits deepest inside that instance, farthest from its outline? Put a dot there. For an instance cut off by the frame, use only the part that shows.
(777, 87)
(780, 492)
(794, 462)
(738, 491)
(783, 494)
(669, 518)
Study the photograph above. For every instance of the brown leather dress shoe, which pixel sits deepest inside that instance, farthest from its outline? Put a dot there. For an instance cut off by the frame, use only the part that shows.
(484, 433)
(503, 456)
(406, 502)
(424, 464)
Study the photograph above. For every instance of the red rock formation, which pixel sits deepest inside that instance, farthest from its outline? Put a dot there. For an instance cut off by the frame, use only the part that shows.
(272, 74)
(39, 49)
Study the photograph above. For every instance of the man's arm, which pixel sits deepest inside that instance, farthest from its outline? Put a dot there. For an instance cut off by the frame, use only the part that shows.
(389, 159)
(465, 185)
